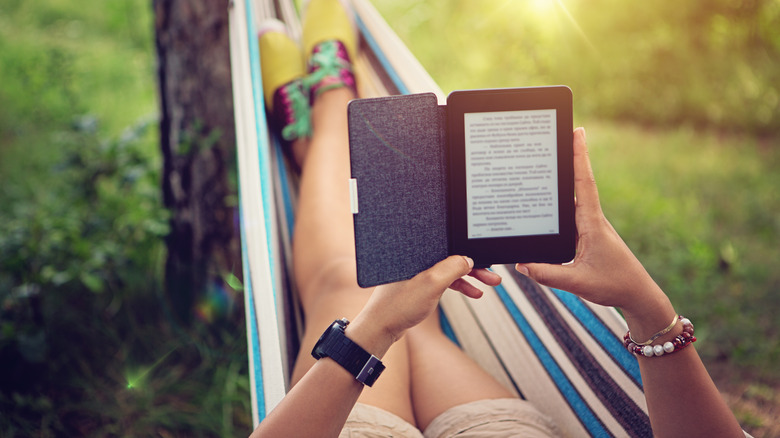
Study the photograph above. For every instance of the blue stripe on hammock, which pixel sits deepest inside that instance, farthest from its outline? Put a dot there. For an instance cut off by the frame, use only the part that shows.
(262, 133)
(621, 407)
(255, 344)
(446, 327)
(603, 335)
(569, 392)
(267, 197)
(380, 55)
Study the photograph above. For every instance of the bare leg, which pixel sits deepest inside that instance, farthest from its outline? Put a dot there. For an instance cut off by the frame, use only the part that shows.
(442, 375)
(324, 251)
(323, 229)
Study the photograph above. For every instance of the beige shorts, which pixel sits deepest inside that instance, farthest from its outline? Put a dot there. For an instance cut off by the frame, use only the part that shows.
(485, 418)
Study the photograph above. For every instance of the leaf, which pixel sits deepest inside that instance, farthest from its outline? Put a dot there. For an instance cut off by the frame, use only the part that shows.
(233, 282)
(92, 281)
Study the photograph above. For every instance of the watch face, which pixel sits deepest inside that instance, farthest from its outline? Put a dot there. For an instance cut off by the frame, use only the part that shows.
(335, 344)
(318, 352)
(319, 348)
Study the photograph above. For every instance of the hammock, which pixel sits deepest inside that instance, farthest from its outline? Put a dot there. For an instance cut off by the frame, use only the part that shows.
(561, 353)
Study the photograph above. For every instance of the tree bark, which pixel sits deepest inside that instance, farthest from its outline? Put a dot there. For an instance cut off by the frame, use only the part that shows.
(197, 139)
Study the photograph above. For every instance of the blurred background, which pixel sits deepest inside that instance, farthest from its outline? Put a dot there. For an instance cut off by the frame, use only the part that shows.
(680, 100)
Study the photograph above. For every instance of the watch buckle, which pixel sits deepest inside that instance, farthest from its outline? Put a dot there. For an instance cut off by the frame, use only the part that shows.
(366, 375)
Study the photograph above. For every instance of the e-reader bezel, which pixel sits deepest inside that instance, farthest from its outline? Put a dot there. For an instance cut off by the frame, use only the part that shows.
(545, 248)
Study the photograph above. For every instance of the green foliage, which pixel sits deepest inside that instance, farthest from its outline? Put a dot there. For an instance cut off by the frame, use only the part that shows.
(86, 344)
(708, 63)
(125, 371)
(95, 225)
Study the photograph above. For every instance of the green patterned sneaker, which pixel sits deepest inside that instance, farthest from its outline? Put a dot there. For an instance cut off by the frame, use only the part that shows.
(330, 42)
(329, 67)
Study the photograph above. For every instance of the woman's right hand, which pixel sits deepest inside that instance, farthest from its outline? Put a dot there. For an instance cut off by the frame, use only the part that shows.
(604, 271)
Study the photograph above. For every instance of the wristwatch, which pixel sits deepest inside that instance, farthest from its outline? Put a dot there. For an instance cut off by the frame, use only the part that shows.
(335, 344)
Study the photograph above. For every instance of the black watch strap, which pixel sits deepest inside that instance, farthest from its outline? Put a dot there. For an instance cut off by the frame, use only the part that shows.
(335, 344)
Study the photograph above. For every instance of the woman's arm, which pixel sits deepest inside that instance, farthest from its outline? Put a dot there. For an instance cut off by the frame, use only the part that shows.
(682, 399)
(319, 404)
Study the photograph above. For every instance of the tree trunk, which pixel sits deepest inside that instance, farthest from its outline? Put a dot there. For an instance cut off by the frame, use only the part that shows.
(197, 138)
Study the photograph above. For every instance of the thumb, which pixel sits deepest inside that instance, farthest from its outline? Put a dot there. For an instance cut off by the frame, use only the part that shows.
(442, 274)
(557, 276)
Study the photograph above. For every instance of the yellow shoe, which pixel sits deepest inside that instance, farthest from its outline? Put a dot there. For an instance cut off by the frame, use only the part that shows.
(330, 42)
(282, 69)
(325, 20)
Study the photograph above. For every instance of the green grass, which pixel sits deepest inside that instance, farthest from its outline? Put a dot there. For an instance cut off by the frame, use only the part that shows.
(700, 211)
(64, 62)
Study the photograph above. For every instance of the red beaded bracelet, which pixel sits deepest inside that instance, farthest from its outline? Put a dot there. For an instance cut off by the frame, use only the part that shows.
(679, 342)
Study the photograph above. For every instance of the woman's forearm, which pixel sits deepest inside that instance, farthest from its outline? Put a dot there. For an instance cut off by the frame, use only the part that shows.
(683, 400)
(319, 404)
(681, 397)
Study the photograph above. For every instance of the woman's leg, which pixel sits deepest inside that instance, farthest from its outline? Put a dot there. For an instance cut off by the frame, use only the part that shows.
(323, 243)
(442, 376)
(324, 251)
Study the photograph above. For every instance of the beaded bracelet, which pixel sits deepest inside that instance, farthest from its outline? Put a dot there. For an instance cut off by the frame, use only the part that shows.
(679, 342)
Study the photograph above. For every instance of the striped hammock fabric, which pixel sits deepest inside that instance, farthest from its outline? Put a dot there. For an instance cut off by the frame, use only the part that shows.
(561, 353)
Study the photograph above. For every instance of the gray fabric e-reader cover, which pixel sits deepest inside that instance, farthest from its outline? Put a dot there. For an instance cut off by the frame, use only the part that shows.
(399, 192)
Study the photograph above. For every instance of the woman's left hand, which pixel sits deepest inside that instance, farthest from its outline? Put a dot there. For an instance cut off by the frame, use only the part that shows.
(397, 307)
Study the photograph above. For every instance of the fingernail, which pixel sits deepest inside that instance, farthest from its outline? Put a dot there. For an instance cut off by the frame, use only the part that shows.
(469, 261)
(521, 269)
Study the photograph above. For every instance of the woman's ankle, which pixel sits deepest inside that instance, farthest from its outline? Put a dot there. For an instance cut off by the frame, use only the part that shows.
(300, 150)
(331, 107)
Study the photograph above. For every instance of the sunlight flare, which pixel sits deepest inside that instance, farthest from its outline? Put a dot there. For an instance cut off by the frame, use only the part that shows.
(134, 378)
(574, 23)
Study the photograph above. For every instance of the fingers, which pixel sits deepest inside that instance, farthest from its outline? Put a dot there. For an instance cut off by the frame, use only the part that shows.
(584, 181)
(486, 276)
(466, 288)
(449, 271)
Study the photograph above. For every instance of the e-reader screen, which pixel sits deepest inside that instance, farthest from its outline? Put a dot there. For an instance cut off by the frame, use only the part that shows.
(511, 176)
(511, 173)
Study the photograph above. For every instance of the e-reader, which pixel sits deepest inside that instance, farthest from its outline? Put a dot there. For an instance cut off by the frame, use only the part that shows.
(511, 177)
(489, 175)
